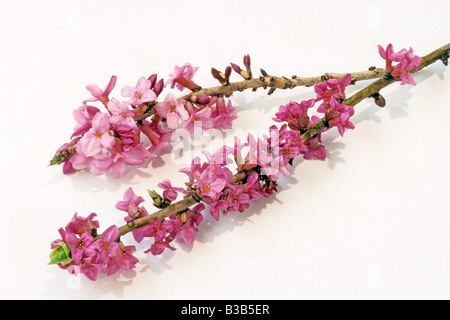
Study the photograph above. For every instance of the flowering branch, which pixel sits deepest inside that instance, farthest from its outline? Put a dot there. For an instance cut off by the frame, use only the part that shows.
(103, 141)
(273, 82)
(82, 250)
(311, 132)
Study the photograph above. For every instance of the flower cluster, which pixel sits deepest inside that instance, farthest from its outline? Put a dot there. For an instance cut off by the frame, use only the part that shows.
(110, 140)
(407, 61)
(80, 250)
(329, 94)
(163, 231)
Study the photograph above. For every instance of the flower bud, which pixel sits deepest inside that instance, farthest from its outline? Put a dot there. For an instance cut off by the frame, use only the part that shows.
(444, 58)
(203, 99)
(220, 76)
(227, 73)
(61, 254)
(152, 80)
(157, 199)
(184, 217)
(158, 87)
(236, 68)
(379, 99)
(247, 64)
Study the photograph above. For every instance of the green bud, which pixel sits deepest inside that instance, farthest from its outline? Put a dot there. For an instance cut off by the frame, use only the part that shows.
(157, 199)
(153, 194)
(57, 159)
(60, 254)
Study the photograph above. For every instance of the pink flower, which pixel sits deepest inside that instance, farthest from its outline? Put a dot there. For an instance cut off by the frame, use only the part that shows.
(196, 168)
(181, 77)
(130, 204)
(338, 116)
(253, 186)
(121, 156)
(106, 246)
(189, 228)
(98, 94)
(83, 115)
(220, 157)
(155, 134)
(269, 188)
(173, 110)
(201, 118)
(98, 137)
(80, 161)
(289, 144)
(406, 62)
(128, 134)
(158, 247)
(77, 245)
(120, 112)
(210, 183)
(276, 167)
(91, 267)
(158, 229)
(216, 206)
(258, 152)
(238, 199)
(224, 115)
(333, 88)
(295, 114)
(79, 225)
(315, 149)
(140, 93)
(122, 260)
(130, 201)
(169, 191)
(89, 256)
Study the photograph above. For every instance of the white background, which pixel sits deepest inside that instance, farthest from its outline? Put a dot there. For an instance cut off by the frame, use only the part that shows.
(370, 222)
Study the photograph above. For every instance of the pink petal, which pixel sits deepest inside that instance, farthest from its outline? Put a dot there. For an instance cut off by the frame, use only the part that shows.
(172, 120)
(137, 235)
(67, 167)
(100, 123)
(81, 130)
(162, 109)
(107, 140)
(110, 86)
(188, 235)
(110, 234)
(95, 90)
(118, 169)
(182, 112)
(382, 52)
(143, 84)
(128, 91)
(79, 161)
(341, 130)
(91, 147)
(148, 95)
(132, 158)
